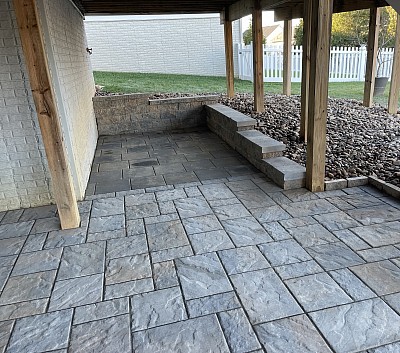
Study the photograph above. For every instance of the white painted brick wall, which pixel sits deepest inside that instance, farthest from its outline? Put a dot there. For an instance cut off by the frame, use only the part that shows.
(192, 46)
(24, 176)
(74, 78)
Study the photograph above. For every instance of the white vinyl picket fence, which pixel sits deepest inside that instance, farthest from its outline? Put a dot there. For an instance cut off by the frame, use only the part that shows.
(346, 63)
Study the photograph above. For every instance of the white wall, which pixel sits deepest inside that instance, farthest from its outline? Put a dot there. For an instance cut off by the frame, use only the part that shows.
(192, 45)
(24, 176)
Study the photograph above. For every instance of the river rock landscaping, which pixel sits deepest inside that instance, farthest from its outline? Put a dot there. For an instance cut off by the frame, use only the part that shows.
(360, 141)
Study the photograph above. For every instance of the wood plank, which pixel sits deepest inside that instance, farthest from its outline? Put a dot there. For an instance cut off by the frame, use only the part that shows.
(372, 52)
(229, 58)
(305, 78)
(395, 80)
(43, 96)
(287, 57)
(258, 58)
(321, 28)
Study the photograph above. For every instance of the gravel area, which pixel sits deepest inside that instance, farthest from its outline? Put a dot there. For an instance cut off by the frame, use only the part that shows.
(360, 140)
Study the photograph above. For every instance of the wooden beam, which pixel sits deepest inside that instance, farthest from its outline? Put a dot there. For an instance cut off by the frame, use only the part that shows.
(229, 58)
(243, 8)
(43, 96)
(395, 80)
(321, 27)
(372, 53)
(258, 58)
(305, 76)
(287, 57)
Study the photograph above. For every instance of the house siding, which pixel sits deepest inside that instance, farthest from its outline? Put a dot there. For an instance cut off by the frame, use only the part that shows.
(185, 45)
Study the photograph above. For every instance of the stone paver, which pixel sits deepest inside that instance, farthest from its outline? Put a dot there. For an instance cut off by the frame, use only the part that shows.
(222, 260)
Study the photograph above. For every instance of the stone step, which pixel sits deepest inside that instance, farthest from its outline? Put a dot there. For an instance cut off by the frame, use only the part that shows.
(222, 117)
(255, 144)
(284, 172)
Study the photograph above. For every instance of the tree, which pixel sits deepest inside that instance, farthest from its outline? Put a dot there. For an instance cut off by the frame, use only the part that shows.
(248, 35)
(351, 28)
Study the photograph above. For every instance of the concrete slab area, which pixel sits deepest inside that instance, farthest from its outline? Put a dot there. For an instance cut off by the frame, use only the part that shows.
(230, 264)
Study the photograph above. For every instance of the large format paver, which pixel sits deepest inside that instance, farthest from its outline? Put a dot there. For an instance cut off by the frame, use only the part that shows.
(211, 265)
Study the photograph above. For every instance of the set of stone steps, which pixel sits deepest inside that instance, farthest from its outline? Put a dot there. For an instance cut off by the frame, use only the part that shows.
(265, 153)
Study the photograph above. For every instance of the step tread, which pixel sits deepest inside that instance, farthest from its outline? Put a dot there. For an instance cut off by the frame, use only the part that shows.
(266, 143)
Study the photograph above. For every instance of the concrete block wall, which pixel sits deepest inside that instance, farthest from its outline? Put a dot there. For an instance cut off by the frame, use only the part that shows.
(192, 45)
(24, 175)
(71, 71)
(135, 113)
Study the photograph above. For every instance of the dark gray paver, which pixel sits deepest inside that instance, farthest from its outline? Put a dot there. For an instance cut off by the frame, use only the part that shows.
(128, 268)
(5, 332)
(41, 333)
(11, 246)
(246, 231)
(284, 252)
(380, 234)
(129, 288)
(126, 246)
(212, 304)
(336, 221)
(202, 275)
(264, 296)
(76, 291)
(141, 211)
(106, 223)
(157, 308)
(351, 240)
(317, 291)
(378, 254)
(107, 335)
(358, 326)
(291, 335)
(373, 215)
(23, 309)
(238, 331)
(334, 256)
(243, 259)
(14, 230)
(197, 335)
(383, 277)
(82, 260)
(170, 254)
(164, 275)
(38, 261)
(35, 242)
(28, 287)
(101, 310)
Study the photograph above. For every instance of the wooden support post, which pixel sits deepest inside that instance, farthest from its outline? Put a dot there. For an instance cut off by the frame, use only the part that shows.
(321, 27)
(258, 58)
(372, 53)
(43, 96)
(305, 77)
(287, 57)
(395, 80)
(229, 57)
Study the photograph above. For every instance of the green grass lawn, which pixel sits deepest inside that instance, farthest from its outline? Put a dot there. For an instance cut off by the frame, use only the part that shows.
(164, 83)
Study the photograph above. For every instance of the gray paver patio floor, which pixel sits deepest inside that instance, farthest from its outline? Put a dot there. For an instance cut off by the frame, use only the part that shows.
(232, 264)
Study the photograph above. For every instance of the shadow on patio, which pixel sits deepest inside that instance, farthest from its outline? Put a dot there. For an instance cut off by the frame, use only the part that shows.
(203, 255)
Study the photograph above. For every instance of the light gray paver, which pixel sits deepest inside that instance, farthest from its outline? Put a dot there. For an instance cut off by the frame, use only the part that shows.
(166, 235)
(254, 198)
(201, 224)
(309, 208)
(35, 242)
(380, 234)
(164, 275)
(334, 256)
(5, 332)
(244, 259)
(197, 335)
(210, 241)
(170, 254)
(101, 310)
(270, 214)
(238, 331)
(352, 285)
(231, 212)
(82, 260)
(292, 335)
(23, 309)
(264, 296)
(106, 223)
(141, 211)
(216, 192)
(276, 231)
(351, 240)
(389, 348)
(126, 246)
(41, 333)
(107, 336)
(129, 288)
(76, 291)
(378, 254)
(212, 304)
(362, 325)
(14, 230)
(11, 246)
(373, 215)
(107, 207)
(157, 308)
(298, 269)
(312, 235)
(383, 277)
(317, 291)
(192, 207)
(246, 231)
(284, 252)
(336, 221)
(394, 301)
(202, 275)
